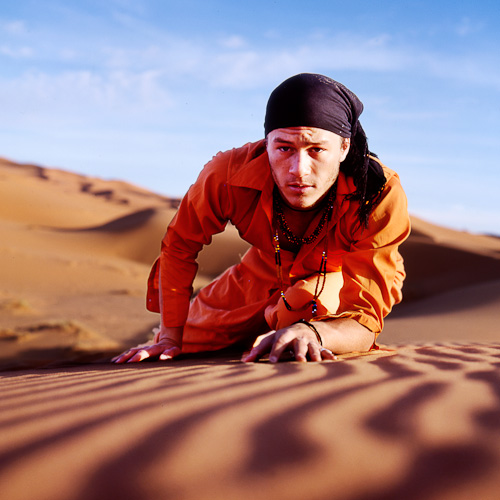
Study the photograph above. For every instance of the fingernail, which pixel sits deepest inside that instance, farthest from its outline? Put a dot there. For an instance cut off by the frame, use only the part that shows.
(273, 359)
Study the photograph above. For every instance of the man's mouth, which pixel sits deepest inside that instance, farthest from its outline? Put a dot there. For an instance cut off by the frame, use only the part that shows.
(299, 186)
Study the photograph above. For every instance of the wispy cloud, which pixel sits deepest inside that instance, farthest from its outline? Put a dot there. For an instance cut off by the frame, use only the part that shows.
(467, 26)
(13, 27)
(40, 99)
(99, 77)
(233, 42)
(16, 52)
(233, 60)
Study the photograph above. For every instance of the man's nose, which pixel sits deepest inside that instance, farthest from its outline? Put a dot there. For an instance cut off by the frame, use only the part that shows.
(301, 164)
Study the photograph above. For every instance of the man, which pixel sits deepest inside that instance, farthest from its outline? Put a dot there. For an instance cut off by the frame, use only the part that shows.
(324, 219)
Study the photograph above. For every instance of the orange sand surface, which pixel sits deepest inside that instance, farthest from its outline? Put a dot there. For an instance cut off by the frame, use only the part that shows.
(418, 419)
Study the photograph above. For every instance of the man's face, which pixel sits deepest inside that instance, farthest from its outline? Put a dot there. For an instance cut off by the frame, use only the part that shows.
(305, 163)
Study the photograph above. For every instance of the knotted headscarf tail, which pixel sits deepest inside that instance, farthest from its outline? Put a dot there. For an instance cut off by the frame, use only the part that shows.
(312, 100)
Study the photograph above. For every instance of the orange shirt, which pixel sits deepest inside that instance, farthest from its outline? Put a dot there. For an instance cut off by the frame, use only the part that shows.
(237, 186)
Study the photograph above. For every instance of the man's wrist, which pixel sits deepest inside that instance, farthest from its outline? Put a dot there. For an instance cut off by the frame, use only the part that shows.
(169, 334)
(311, 327)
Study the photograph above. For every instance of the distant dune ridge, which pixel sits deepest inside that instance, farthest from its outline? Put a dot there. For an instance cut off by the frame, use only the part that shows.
(418, 419)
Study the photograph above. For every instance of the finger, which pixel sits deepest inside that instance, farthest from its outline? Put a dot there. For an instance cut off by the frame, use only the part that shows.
(327, 355)
(300, 348)
(125, 356)
(263, 347)
(140, 355)
(314, 350)
(256, 352)
(283, 342)
(170, 353)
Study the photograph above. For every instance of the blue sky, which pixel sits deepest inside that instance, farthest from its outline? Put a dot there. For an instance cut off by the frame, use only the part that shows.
(148, 90)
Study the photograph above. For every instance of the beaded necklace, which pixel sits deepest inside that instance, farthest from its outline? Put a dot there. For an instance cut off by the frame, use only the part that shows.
(290, 236)
(285, 228)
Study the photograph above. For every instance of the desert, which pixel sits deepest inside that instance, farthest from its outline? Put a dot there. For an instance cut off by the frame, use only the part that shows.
(419, 418)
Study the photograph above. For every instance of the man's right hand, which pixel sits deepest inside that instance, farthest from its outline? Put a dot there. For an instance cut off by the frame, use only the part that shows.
(167, 345)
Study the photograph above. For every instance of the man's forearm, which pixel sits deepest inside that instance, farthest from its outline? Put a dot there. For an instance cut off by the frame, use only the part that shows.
(167, 333)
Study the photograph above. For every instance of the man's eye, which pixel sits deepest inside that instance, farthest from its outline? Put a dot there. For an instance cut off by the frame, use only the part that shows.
(284, 149)
(317, 150)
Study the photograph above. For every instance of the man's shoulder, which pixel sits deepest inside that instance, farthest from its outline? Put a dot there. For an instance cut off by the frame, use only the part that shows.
(246, 166)
(241, 155)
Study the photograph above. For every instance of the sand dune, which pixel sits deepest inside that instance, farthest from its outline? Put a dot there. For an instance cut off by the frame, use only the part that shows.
(453, 288)
(438, 261)
(75, 248)
(417, 419)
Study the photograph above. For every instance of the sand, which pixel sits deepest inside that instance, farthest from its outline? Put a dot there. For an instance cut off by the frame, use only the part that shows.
(418, 419)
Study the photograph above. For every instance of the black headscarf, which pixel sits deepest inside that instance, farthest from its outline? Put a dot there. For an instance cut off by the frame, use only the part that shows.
(311, 100)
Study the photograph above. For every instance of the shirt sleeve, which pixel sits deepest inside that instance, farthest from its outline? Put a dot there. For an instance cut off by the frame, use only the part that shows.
(201, 214)
(373, 267)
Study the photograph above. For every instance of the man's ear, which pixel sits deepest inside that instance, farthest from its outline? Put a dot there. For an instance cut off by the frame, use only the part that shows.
(346, 144)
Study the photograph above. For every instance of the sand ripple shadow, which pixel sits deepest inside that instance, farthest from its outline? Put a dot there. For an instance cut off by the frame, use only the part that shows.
(279, 441)
(436, 469)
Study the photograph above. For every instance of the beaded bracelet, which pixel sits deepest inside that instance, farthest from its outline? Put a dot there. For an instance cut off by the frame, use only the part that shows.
(312, 327)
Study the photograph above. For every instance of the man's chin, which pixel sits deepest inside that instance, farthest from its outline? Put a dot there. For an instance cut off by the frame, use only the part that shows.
(301, 204)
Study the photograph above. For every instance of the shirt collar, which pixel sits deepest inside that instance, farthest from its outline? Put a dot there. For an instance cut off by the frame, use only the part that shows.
(255, 172)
